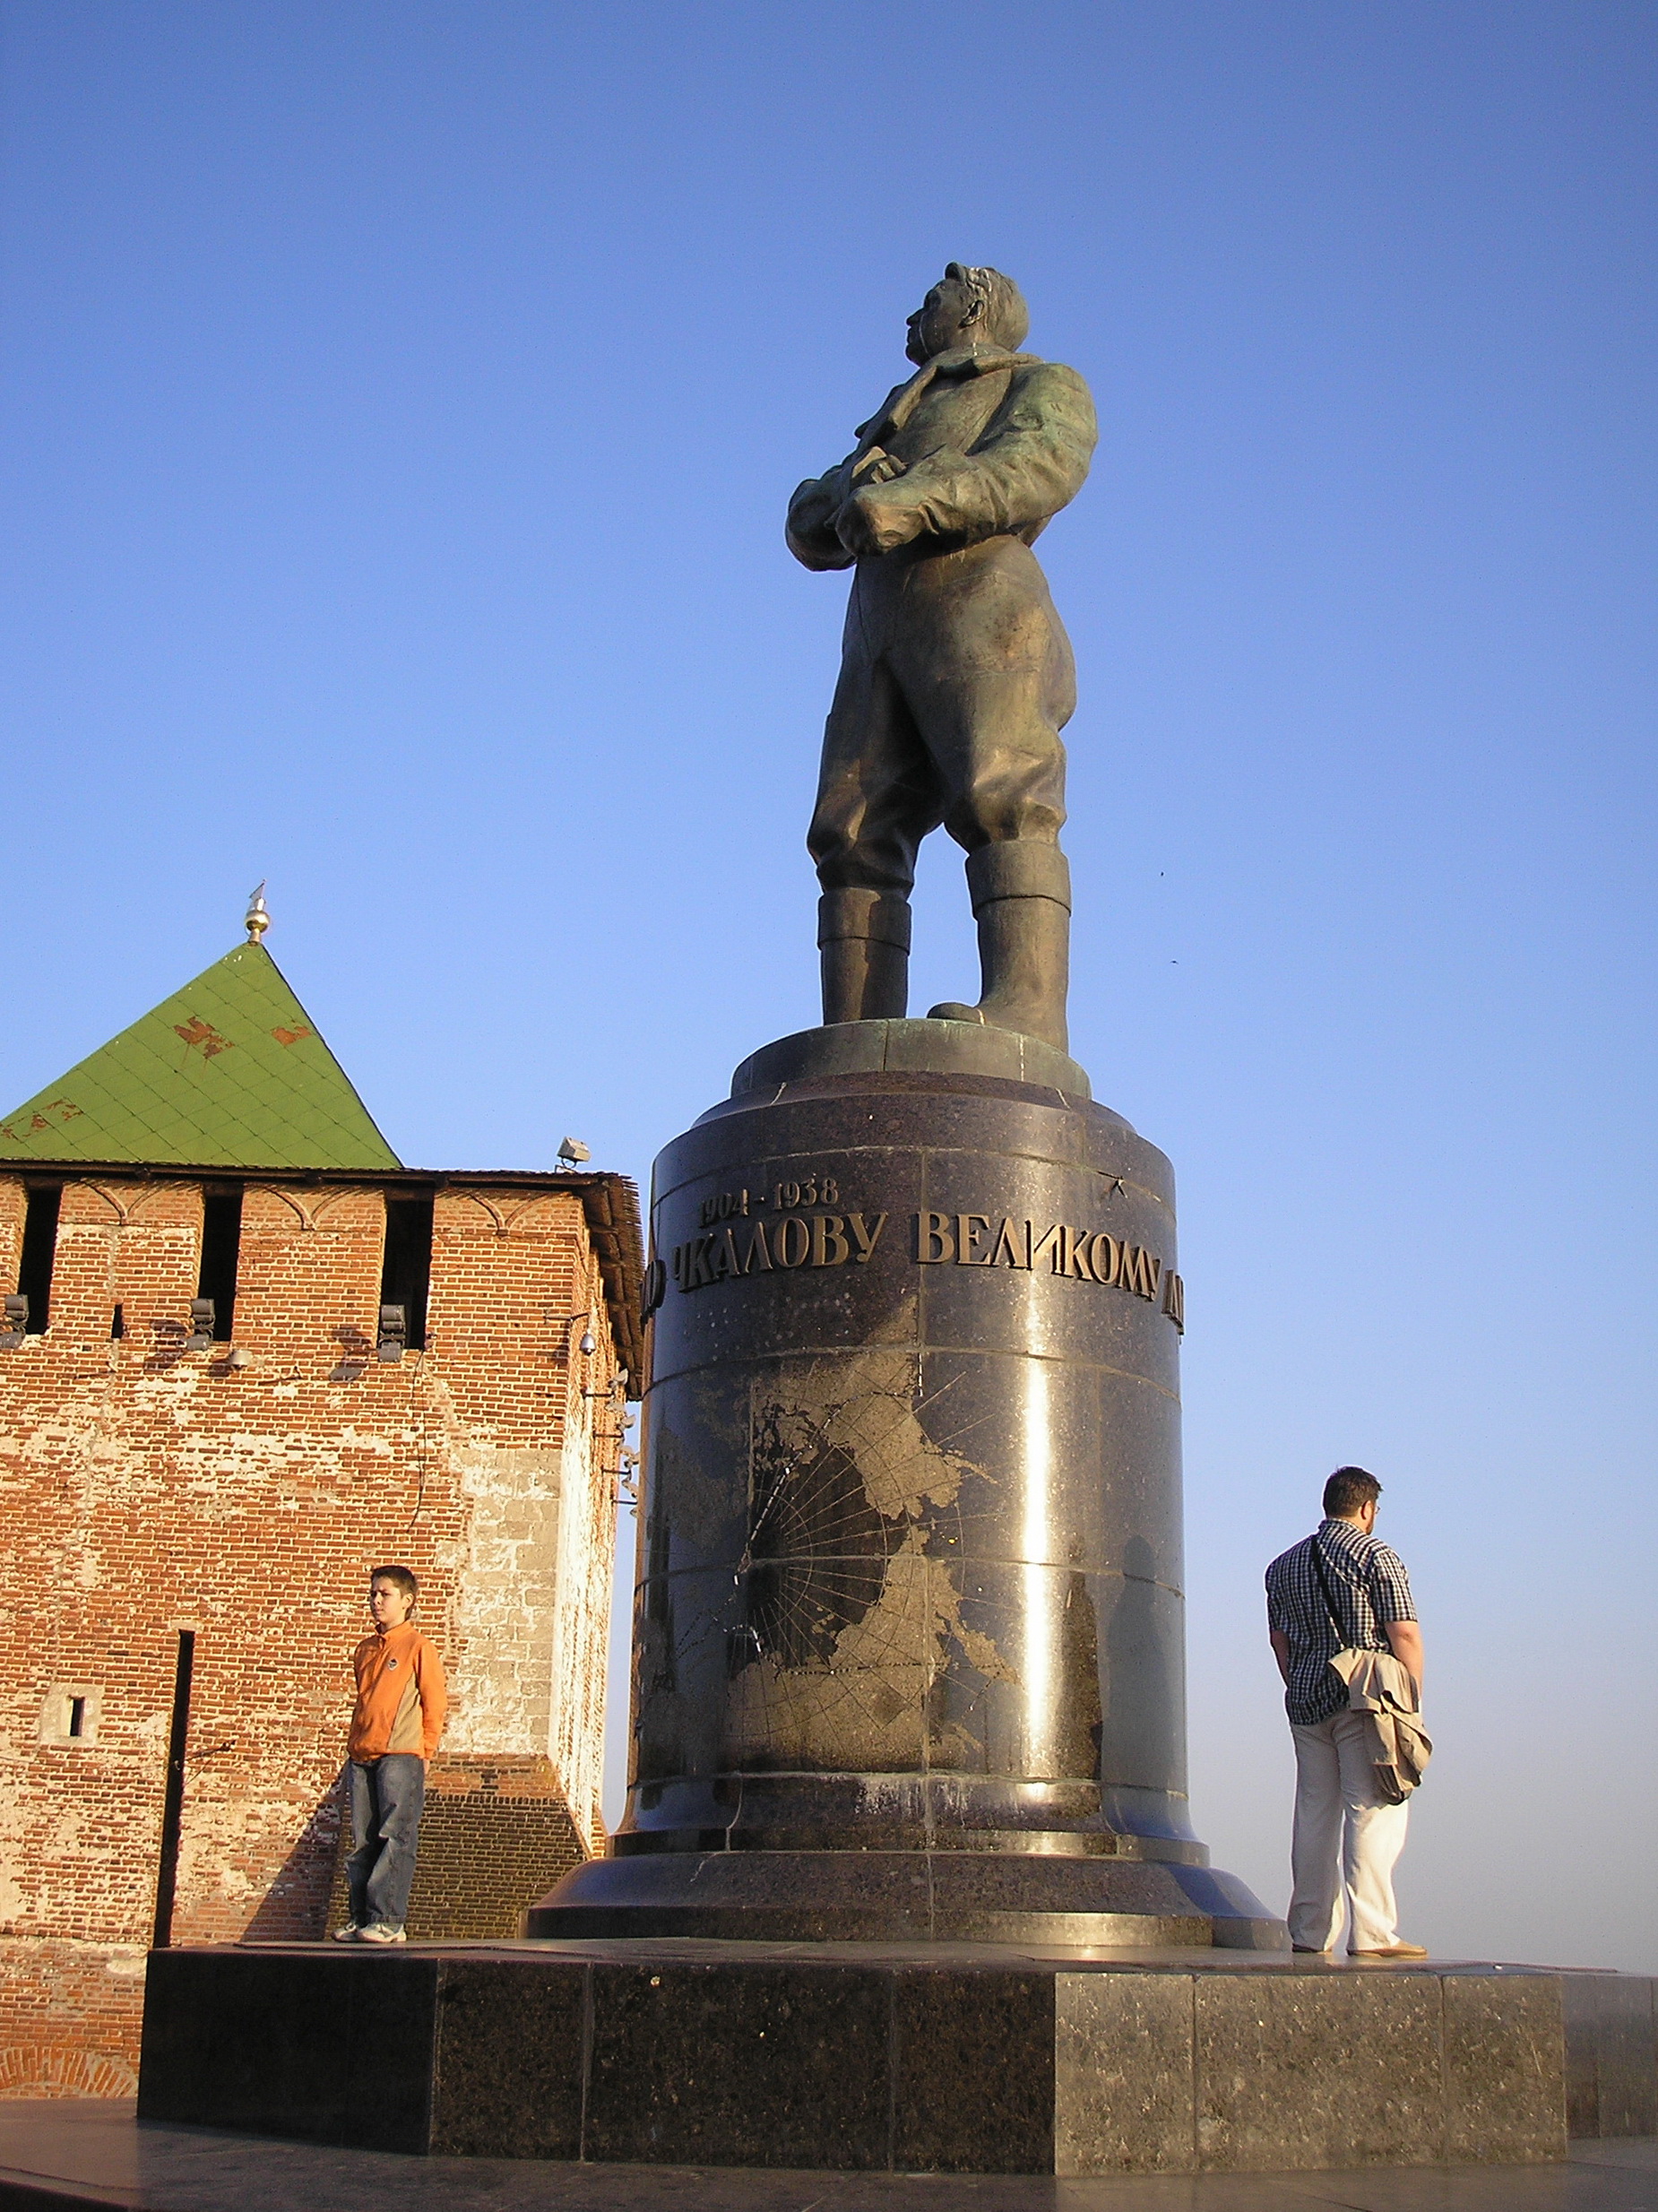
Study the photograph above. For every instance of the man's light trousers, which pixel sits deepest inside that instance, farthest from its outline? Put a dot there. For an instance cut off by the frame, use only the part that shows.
(1346, 1840)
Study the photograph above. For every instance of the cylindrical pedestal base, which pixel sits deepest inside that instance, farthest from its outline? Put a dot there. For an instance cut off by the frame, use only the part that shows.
(909, 1641)
(913, 1896)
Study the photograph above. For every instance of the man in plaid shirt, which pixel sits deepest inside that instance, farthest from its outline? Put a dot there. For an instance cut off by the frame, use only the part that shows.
(1340, 1589)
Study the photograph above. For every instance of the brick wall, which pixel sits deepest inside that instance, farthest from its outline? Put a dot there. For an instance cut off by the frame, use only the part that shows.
(146, 1489)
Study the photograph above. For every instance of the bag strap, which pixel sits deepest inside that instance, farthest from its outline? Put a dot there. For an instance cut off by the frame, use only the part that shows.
(1324, 1584)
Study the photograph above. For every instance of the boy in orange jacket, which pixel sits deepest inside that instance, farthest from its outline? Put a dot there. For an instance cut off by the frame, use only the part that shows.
(394, 1731)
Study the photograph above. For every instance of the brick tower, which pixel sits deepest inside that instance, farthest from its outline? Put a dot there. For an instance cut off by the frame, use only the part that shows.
(247, 1355)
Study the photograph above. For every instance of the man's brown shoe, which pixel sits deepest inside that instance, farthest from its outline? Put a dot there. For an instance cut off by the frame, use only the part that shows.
(1317, 1951)
(1393, 1951)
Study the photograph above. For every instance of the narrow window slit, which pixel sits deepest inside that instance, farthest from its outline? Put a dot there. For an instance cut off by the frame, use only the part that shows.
(407, 1274)
(221, 1238)
(40, 1254)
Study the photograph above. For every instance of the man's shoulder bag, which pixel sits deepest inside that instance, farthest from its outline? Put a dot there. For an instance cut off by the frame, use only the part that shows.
(1383, 1688)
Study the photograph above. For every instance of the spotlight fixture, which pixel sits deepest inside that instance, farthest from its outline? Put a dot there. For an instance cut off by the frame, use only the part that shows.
(573, 1153)
(201, 1336)
(588, 1345)
(16, 1323)
(394, 1340)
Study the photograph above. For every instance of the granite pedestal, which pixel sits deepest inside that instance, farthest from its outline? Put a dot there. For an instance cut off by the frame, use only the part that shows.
(906, 1881)
(909, 1635)
(915, 2058)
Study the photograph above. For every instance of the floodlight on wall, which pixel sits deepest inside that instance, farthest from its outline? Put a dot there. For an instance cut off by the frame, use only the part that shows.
(16, 1323)
(573, 1153)
(201, 1336)
(394, 1340)
(587, 1344)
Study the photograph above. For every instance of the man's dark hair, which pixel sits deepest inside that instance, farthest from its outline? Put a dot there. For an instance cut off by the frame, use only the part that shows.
(1347, 1490)
(402, 1577)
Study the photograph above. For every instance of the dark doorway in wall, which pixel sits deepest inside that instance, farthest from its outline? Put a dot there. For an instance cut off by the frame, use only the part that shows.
(221, 1243)
(34, 1273)
(407, 1274)
(173, 1797)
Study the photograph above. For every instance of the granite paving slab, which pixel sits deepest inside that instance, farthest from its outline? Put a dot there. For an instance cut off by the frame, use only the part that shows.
(70, 2154)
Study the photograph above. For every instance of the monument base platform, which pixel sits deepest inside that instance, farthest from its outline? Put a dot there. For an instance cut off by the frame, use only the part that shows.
(1061, 1897)
(925, 2058)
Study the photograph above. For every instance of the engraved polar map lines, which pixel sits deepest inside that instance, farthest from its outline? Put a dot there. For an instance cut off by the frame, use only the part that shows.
(850, 1614)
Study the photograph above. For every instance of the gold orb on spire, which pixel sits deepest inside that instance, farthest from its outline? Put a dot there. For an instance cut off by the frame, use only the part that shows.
(258, 918)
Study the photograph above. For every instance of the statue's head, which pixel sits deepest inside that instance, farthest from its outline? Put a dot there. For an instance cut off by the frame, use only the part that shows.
(968, 307)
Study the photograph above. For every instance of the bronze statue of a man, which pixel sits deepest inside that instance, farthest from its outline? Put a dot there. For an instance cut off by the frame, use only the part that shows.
(956, 675)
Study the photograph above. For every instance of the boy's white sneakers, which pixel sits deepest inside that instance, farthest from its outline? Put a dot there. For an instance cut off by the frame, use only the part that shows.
(349, 1933)
(381, 1931)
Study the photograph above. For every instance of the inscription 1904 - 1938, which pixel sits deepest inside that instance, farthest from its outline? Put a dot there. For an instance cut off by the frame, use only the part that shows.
(746, 1245)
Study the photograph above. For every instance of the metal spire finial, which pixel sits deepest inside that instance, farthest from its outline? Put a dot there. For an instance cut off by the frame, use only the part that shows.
(258, 916)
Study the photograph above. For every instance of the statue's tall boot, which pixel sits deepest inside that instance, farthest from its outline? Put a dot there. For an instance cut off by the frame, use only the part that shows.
(1021, 892)
(863, 937)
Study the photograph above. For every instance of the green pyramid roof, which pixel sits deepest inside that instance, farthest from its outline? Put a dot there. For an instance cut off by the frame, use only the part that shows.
(230, 1072)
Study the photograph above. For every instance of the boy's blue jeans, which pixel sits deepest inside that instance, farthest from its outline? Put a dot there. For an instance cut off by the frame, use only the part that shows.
(388, 1797)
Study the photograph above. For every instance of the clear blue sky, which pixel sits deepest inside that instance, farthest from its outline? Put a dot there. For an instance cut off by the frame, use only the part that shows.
(399, 406)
